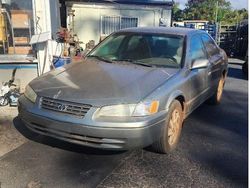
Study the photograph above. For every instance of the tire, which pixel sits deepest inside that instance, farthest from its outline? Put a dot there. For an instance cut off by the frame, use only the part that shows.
(216, 98)
(3, 101)
(167, 141)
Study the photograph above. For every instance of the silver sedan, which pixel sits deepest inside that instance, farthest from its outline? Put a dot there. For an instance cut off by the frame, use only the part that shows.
(132, 90)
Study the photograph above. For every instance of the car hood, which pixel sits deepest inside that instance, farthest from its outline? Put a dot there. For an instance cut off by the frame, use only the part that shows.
(100, 83)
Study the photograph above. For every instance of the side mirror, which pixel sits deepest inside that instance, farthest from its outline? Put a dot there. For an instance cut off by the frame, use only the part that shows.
(199, 64)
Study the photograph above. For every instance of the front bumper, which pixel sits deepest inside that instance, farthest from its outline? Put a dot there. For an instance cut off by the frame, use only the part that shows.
(121, 136)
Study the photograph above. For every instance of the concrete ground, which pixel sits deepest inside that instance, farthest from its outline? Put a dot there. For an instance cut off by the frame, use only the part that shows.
(10, 138)
(213, 152)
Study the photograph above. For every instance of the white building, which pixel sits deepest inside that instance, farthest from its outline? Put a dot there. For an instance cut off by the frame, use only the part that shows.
(97, 19)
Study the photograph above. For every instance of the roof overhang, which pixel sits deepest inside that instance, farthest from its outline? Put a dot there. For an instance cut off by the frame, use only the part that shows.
(130, 2)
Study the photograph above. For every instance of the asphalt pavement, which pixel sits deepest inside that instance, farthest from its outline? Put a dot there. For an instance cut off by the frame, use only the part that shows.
(213, 152)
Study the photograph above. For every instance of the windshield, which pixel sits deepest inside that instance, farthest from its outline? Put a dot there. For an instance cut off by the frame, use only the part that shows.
(143, 49)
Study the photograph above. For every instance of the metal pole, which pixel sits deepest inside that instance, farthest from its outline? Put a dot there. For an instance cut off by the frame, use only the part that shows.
(216, 12)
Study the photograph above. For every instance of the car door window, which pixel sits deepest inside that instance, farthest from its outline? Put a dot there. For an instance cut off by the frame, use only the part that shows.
(210, 45)
(197, 48)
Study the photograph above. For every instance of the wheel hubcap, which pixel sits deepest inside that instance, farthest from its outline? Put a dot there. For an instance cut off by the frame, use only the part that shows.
(174, 127)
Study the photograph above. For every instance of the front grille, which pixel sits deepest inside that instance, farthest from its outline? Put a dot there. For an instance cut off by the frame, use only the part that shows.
(74, 109)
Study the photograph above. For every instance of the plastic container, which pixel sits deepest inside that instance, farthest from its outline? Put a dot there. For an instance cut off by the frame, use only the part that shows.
(60, 61)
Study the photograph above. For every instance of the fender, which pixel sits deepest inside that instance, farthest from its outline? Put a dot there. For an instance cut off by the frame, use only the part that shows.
(172, 97)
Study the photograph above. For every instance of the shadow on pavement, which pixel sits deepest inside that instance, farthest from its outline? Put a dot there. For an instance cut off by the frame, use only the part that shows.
(222, 134)
(220, 116)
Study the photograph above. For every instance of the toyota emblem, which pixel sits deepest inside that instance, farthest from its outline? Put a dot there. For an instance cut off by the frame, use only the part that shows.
(62, 107)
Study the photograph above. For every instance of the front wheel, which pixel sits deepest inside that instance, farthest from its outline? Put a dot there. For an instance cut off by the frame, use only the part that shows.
(172, 130)
(3, 101)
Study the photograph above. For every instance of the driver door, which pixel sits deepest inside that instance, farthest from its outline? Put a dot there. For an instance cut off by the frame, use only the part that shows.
(198, 78)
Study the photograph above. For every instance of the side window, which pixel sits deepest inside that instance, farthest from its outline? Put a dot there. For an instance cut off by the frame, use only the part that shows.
(210, 45)
(197, 48)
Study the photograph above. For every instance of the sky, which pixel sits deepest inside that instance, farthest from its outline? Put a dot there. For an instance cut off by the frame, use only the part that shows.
(236, 4)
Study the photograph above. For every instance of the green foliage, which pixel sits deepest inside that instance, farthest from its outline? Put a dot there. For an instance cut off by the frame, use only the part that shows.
(207, 10)
(178, 14)
(235, 16)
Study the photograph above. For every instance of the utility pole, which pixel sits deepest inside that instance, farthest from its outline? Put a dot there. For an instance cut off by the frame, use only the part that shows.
(217, 36)
(216, 12)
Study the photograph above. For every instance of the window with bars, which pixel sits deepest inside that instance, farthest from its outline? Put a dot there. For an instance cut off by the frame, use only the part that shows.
(110, 24)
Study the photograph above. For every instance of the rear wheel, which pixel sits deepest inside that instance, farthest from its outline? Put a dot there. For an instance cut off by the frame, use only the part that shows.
(172, 130)
(216, 98)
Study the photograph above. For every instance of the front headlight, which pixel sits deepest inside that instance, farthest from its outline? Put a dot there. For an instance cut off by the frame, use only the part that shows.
(128, 110)
(117, 110)
(30, 94)
(146, 108)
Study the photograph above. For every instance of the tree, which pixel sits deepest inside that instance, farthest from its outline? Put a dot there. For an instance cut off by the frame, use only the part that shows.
(235, 16)
(206, 9)
(178, 14)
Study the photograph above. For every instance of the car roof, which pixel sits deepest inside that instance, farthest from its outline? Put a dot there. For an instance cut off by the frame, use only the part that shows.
(162, 30)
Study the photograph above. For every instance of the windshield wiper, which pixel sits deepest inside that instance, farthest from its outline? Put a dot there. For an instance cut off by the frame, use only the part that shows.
(135, 62)
(100, 58)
